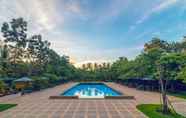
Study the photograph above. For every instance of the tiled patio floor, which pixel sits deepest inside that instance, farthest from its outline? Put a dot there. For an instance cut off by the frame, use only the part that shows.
(37, 105)
(145, 97)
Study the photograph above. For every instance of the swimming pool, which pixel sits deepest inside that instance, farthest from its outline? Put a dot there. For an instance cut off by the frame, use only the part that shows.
(91, 90)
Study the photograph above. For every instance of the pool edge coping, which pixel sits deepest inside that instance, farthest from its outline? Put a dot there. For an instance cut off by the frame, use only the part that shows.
(105, 97)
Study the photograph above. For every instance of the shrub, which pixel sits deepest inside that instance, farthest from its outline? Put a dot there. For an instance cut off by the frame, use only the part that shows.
(2, 87)
(53, 79)
(40, 83)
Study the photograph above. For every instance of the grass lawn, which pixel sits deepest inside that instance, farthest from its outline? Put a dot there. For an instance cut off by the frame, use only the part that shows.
(150, 110)
(179, 94)
(6, 106)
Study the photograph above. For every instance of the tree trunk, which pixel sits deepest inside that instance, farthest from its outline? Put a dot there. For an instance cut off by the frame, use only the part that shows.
(164, 96)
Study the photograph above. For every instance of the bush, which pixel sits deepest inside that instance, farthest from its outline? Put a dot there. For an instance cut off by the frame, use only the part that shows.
(53, 79)
(182, 74)
(2, 87)
(40, 83)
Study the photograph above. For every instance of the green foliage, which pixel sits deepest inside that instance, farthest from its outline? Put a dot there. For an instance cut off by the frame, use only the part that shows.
(52, 79)
(2, 86)
(172, 64)
(156, 43)
(94, 72)
(143, 66)
(146, 65)
(154, 111)
(182, 74)
(40, 83)
(23, 55)
(15, 34)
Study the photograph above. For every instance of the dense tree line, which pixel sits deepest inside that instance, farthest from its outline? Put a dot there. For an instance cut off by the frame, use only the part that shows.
(22, 55)
(156, 53)
(94, 72)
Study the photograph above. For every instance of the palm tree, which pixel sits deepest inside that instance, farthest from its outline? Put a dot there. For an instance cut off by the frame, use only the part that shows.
(84, 67)
(104, 65)
(89, 66)
(108, 65)
(95, 66)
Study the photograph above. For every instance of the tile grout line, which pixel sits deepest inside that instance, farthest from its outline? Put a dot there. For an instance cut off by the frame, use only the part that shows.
(106, 108)
(67, 109)
(75, 111)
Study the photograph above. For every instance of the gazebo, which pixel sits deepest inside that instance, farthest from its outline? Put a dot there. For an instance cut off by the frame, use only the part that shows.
(22, 83)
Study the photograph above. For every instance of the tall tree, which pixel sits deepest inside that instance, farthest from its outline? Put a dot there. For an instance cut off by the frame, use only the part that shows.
(156, 43)
(3, 58)
(15, 34)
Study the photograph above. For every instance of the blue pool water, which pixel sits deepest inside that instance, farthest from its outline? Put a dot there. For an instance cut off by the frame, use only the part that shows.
(91, 90)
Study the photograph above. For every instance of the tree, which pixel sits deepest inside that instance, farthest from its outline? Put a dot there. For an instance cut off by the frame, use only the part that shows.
(182, 45)
(15, 34)
(15, 38)
(38, 51)
(3, 58)
(119, 67)
(65, 59)
(156, 43)
(84, 67)
(165, 108)
(168, 66)
(145, 63)
(178, 47)
(89, 66)
(22, 55)
(42, 51)
(95, 66)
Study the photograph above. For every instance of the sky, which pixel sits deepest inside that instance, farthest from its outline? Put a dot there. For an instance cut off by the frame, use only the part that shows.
(99, 30)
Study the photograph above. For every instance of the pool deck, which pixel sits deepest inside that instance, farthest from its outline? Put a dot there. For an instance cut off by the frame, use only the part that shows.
(38, 104)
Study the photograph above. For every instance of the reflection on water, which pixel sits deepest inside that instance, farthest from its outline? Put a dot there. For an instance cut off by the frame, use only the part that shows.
(90, 92)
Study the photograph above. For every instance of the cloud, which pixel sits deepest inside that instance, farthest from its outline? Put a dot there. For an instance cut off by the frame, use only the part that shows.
(163, 5)
(41, 14)
(82, 50)
(46, 18)
(74, 27)
(155, 9)
(143, 34)
(109, 11)
(74, 7)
